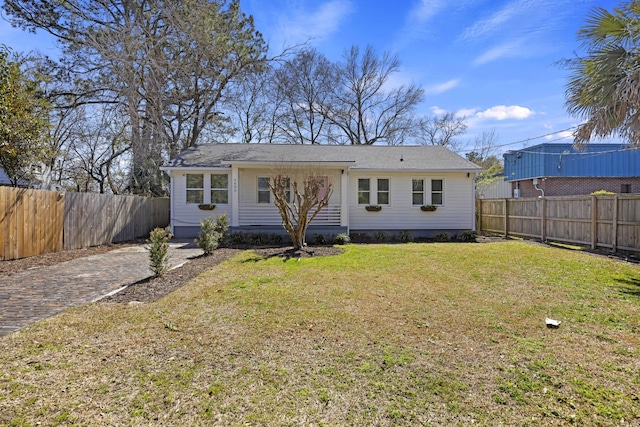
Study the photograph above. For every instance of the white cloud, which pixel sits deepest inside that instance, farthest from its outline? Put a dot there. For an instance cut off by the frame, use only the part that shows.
(466, 112)
(443, 87)
(493, 23)
(299, 25)
(509, 49)
(438, 111)
(424, 10)
(560, 135)
(503, 112)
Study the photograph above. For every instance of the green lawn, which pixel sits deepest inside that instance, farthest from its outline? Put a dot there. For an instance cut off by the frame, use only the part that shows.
(416, 334)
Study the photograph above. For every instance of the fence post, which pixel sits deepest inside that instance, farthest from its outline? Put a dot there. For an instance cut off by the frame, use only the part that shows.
(614, 244)
(506, 218)
(543, 219)
(594, 222)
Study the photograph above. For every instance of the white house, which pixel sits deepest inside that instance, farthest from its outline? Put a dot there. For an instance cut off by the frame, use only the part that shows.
(401, 180)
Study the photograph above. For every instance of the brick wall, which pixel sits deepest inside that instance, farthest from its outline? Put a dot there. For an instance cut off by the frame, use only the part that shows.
(575, 186)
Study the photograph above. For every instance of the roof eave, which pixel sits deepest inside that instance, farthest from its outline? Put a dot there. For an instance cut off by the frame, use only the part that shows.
(260, 163)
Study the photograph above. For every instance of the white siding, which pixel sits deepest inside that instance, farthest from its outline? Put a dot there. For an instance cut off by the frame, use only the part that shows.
(456, 213)
(186, 215)
(253, 213)
(400, 214)
(498, 189)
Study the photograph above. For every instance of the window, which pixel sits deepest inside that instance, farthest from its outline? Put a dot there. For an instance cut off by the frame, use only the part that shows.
(220, 188)
(195, 188)
(418, 192)
(383, 191)
(625, 188)
(437, 192)
(363, 191)
(264, 192)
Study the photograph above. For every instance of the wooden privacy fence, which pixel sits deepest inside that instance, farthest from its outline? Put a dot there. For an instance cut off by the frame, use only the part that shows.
(611, 222)
(92, 219)
(34, 222)
(30, 222)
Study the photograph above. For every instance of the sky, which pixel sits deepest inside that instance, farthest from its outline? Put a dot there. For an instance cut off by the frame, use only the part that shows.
(494, 62)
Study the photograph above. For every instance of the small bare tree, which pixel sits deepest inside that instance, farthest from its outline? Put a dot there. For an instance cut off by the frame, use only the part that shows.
(299, 196)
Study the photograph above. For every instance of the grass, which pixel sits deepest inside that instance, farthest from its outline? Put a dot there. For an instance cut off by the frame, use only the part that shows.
(415, 334)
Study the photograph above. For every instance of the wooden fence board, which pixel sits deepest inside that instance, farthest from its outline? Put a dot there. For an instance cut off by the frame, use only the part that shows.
(597, 221)
(30, 222)
(34, 222)
(96, 219)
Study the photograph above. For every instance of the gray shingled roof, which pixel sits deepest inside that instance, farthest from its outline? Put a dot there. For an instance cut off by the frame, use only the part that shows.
(396, 158)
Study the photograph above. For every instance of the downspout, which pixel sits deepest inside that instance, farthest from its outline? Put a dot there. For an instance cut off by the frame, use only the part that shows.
(474, 218)
(171, 202)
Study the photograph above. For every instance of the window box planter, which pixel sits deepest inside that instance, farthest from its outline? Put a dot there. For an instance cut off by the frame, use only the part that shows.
(428, 208)
(206, 207)
(373, 208)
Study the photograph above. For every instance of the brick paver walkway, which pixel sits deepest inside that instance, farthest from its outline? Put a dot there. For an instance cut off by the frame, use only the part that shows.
(41, 292)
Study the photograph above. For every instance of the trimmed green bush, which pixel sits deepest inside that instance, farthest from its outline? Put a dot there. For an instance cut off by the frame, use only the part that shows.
(405, 237)
(441, 237)
(342, 239)
(158, 246)
(212, 233)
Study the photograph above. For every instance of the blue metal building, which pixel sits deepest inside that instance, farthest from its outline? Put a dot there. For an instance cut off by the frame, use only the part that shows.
(561, 169)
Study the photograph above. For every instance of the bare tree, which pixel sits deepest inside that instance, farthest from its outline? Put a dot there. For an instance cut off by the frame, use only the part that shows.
(166, 64)
(362, 108)
(485, 154)
(441, 130)
(255, 108)
(95, 152)
(299, 195)
(305, 83)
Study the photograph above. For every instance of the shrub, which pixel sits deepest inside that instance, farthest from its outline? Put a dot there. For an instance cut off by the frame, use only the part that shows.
(602, 193)
(235, 239)
(212, 233)
(276, 239)
(467, 236)
(405, 237)
(441, 237)
(342, 239)
(158, 246)
(259, 238)
(319, 239)
(380, 236)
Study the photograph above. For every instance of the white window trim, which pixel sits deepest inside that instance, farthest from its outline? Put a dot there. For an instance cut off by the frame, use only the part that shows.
(370, 191)
(221, 188)
(388, 191)
(428, 191)
(187, 189)
(373, 190)
(424, 192)
(444, 186)
(258, 191)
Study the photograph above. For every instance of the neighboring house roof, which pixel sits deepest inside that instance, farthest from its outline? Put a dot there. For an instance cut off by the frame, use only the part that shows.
(362, 157)
(563, 160)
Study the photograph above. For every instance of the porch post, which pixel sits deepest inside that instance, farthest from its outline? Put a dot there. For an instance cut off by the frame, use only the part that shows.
(235, 197)
(344, 198)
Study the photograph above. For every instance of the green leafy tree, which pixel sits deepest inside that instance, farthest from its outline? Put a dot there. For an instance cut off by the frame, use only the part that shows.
(23, 117)
(604, 87)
